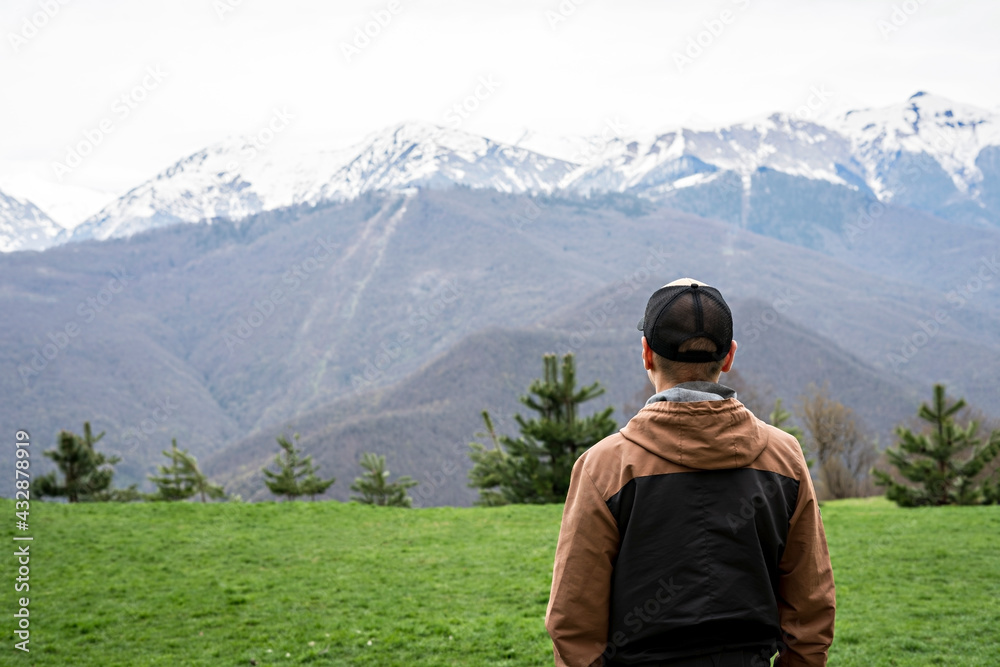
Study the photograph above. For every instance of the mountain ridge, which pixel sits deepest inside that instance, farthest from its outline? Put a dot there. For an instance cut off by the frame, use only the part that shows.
(927, 153)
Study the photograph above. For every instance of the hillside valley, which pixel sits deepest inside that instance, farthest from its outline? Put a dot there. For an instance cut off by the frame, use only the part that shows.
(388, 322)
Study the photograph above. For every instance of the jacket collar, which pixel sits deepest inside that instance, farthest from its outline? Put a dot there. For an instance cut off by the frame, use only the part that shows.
(703, 434)
(694, 391)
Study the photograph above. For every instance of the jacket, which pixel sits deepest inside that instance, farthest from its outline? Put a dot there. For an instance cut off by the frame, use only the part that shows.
(693, 529)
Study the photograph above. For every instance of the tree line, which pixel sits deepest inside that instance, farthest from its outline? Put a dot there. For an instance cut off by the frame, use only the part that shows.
(945, 461)
(87, 476)
(942, 461)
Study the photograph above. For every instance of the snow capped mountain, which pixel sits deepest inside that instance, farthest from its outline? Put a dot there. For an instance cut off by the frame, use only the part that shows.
(420, 154)
(232, 179)
(24, 226)
(238, 178)
(683, 158)
(927, 153)
(950, 134)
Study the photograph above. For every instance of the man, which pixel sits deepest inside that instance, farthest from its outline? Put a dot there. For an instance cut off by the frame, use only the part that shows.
(692, 537)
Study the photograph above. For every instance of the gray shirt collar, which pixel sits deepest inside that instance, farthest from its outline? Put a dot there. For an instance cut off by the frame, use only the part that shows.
(694, 391)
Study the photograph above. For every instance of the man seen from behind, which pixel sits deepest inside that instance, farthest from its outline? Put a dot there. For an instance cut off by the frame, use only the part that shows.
(692, 537)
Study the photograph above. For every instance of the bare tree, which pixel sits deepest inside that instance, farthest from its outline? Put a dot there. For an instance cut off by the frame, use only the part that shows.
(843, 451)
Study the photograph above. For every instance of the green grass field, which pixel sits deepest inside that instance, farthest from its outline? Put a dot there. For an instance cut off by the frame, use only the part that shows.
(342, 584)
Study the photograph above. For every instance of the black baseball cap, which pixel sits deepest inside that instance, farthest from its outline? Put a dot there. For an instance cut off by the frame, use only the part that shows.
(686, 309)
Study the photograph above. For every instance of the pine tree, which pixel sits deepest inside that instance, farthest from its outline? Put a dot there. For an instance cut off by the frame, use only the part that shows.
(173, 482)
(489, 467)
(375, 487)
(536, 467)
(183, 478)
(991, 492)
(296, 475)
(87, 474)
(931, 459)
(202, 487)
(313, 486)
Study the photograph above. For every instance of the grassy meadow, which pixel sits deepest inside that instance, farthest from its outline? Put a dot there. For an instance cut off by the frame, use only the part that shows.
(343, 584)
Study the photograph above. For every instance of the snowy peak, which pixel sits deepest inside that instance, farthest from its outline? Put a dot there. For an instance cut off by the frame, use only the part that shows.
(922, 113)
(24, 226)
(238, 177)
(674, 160)
(411, 133)
(927, 152)
(232, 179)
(950, 134)
(425, 155)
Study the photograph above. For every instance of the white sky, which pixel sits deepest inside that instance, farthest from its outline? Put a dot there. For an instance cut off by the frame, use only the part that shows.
(224, 76)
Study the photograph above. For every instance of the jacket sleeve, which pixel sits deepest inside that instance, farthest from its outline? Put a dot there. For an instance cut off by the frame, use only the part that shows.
(806, 598)
(577, 615)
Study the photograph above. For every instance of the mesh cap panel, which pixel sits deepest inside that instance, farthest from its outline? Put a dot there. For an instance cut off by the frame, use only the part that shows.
(678, 313)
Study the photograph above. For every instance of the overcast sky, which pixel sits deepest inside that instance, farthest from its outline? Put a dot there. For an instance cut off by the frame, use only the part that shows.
(196, 71)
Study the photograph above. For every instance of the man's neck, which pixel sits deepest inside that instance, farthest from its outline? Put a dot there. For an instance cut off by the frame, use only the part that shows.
(662, 383)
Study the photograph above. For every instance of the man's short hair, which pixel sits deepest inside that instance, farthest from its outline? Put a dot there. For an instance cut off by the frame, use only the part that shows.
(685, 371)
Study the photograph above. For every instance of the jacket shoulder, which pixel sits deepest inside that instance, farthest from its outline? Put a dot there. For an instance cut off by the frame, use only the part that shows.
(783, 453)
(608, 463)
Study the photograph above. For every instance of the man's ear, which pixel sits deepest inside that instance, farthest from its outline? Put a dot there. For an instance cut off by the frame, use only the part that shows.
(728, 362)
(647, 355)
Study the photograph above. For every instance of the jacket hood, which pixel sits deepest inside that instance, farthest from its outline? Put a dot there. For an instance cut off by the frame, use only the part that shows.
(707, 435)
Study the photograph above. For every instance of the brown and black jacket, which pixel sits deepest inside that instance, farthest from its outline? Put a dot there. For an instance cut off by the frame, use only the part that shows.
(694, 529)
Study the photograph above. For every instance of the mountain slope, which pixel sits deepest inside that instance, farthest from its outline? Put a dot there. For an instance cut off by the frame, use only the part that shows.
(24, 226)
(246, 326)
(423, 423)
